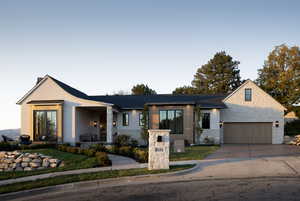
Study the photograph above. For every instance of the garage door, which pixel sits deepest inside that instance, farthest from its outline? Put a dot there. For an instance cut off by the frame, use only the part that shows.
(248, 133)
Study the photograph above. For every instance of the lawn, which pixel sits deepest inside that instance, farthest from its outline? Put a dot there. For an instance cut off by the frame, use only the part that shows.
(71, 162)
(193, 153)
(85, 177)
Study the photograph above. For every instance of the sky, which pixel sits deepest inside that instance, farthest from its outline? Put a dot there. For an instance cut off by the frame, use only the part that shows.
(101, 47)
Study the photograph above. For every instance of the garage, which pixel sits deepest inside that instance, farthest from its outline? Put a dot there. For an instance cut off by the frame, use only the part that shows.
(248, 133)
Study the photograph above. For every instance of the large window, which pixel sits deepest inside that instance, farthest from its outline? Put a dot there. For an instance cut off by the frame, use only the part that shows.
(125, 119)
(142, 120)
(45, 125)
(248, 94)
(171, 119)
(205, 120)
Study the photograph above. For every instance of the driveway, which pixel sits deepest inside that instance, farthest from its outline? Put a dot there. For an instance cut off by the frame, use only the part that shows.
(254, 151)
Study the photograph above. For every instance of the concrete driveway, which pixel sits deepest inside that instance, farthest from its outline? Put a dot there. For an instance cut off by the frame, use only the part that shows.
(248, 161)
(254, 151)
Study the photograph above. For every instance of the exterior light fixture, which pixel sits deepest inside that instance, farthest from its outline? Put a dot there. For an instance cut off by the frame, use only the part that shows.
(221, 124)
(277, 124)
(95, 124)
(114, 123)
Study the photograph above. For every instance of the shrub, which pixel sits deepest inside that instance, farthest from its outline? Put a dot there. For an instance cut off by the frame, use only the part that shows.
(126, 151)
(134, 142)
(89, 152)
(140, 155)
(122, 140)
(292, 128)
(72, 150)
(5, 146)
(99, 147)
(102, 159)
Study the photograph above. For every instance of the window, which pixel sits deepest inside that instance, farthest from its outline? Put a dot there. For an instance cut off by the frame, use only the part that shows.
(171, 119)
(248, 94)
(206, 120)
(141, 120)
(125, 119)
(45, 125)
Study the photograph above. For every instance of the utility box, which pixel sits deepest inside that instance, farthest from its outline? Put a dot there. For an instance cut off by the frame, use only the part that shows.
(159, 149)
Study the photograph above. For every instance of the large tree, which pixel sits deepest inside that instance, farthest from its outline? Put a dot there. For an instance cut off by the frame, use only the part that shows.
(280, 75)
(219, 75)
(142, 89)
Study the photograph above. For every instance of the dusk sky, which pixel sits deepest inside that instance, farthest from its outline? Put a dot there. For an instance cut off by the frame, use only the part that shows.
(101, 47)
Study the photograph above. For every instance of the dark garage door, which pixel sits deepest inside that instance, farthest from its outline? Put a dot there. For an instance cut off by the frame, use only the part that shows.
(248, 133)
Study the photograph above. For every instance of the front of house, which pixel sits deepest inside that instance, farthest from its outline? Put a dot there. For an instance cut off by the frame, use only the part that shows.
(54, 111)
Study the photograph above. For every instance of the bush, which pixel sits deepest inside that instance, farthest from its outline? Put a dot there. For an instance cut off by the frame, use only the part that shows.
(122, 140)
(126, 151)
(5, 146)
(292, 128)
(99, 147)
(140, 155)
(134, 142)
(102, 159)
(89, 152)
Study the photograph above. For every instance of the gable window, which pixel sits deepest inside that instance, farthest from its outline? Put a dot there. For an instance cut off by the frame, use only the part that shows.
(125, 119)
(248, 94)
(171, 119)
(206, 120)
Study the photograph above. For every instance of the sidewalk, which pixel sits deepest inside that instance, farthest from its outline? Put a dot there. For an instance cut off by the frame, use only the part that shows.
(118, 163)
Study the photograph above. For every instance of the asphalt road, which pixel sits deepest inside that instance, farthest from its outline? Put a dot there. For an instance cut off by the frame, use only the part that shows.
(235, 189)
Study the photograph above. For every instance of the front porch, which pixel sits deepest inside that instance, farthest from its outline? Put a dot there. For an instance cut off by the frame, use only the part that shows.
(93, 124)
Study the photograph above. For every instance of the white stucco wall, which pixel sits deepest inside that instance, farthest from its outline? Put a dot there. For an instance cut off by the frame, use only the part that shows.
(133, 129)
(262, 108)
(49, 90)
(214, 131)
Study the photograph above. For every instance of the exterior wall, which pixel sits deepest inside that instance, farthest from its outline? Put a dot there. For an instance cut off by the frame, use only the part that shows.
(133, 129)
(214, 132)
(262, 108)
(188, 121)
(49, 90)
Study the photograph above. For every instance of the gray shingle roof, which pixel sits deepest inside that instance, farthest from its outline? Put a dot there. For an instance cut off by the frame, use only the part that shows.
(138, 101)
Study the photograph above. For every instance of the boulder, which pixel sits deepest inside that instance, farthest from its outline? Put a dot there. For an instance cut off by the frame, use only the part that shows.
(24, 164)
(34, 165)
(46, 164)
(36, 160)
(27, 169)
(26, 159)
(53, 160)
(53, 165)
(19, 169)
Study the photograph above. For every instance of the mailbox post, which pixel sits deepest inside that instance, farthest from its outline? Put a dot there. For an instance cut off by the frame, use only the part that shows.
(159, 149)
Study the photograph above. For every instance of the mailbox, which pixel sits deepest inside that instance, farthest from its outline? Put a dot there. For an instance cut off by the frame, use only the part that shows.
(159, 149)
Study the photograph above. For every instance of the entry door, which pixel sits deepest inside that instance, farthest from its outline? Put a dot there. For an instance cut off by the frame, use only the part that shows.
(248, 133)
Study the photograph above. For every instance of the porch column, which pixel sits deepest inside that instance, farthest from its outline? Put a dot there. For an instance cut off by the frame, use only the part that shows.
(109, 124)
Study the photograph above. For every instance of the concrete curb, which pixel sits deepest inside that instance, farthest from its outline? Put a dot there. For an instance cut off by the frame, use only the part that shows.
(88, 184)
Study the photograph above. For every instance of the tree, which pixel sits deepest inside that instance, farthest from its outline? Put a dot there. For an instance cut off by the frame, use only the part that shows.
(141, 89)
(280, 75)
(219, 75)
(185, 90)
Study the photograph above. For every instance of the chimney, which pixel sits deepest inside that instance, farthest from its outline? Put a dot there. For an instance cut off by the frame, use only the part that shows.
(39, 79)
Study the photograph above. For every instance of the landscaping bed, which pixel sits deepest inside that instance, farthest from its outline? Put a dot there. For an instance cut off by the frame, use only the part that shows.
(85, 177)
(71, 162)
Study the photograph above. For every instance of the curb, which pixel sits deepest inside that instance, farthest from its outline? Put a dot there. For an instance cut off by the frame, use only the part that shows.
(88, 184)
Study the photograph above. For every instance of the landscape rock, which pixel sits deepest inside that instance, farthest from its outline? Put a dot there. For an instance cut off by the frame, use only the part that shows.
(17, 161)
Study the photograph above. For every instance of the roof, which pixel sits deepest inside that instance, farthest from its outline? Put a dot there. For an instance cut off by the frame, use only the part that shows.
(138, 101)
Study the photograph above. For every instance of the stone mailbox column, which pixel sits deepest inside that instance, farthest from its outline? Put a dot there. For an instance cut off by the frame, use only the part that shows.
(159, 148)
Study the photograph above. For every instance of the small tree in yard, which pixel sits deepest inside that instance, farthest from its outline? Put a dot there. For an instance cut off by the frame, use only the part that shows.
(145, 121)
(199, 129)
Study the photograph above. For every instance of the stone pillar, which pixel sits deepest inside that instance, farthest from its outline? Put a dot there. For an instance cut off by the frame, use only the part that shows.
(109, 124)
(159, 149)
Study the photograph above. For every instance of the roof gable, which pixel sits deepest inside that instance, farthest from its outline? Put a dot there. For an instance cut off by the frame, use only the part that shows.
(252, 84)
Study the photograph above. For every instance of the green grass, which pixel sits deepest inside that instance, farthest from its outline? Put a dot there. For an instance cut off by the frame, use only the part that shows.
(85, 177)
(193, 153)
(71, 162)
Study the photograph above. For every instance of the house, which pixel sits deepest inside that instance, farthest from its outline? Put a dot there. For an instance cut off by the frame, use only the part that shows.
(54, 111)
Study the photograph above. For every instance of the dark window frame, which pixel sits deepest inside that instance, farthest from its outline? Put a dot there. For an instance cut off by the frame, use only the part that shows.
(248, 96)
(147, 120)
(205, 116)
(178, 129)
(125, 121)
(35, 135)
